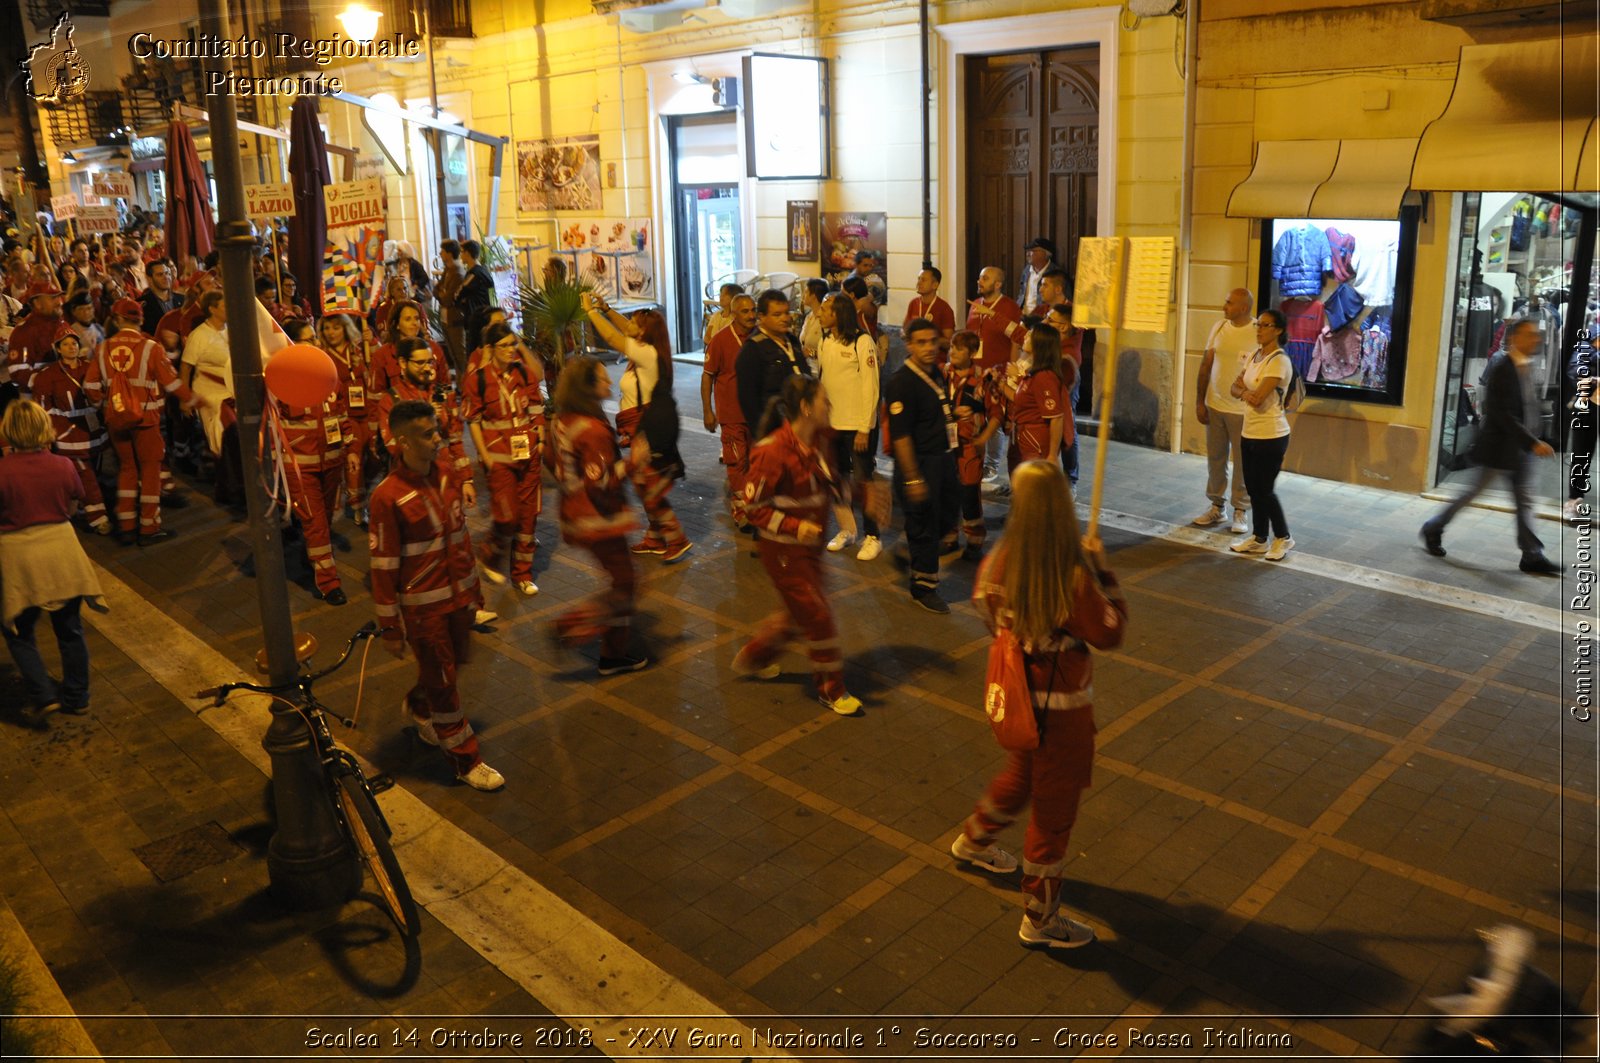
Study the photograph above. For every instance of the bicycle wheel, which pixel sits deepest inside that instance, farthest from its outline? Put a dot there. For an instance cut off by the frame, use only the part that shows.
(371, 840)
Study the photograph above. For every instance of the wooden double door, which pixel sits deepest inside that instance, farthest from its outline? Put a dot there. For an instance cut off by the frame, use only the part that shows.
(1033, 156)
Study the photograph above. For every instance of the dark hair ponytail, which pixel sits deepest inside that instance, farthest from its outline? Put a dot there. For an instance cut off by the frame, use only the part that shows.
(783, 406)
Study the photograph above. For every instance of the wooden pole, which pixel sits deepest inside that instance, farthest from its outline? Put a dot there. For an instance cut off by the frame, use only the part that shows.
(1108, 390)
(277, 259)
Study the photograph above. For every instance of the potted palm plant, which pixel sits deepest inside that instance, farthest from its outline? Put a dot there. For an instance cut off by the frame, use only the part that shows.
(553, 318)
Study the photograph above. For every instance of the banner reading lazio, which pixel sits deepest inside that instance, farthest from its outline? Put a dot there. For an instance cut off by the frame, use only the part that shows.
(355, 203)
(271, 200)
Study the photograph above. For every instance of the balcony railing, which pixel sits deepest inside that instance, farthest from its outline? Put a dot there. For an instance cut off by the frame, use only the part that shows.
(92, 118)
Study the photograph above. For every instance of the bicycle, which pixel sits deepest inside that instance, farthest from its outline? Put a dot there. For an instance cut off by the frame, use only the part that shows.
(349, 789)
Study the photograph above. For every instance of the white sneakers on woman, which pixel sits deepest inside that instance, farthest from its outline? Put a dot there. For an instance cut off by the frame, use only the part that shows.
(870, 546)
(840, 542)
(1277, 550)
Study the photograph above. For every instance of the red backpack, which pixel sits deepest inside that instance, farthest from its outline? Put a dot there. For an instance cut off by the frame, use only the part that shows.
(1007, 701)
(124, 409)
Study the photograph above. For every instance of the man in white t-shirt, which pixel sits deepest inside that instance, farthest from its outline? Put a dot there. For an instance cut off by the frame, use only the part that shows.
(1231, 341)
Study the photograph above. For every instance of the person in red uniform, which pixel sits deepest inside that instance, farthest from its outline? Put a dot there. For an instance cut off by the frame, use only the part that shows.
(1082, 607)
(501, 399)
(979, 409)
(32, 344)
(719, 397)
(644, 341)
(418, 381)
(989, 315)
(928, 304)
(588, 467)
(425, 584)
(80, 435)
(131, 368)
(406, 323)
(1039, 421)
(787, 495)
(314, 441)
(339, 336)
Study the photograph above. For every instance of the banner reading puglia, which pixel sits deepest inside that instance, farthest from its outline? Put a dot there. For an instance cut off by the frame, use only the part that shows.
(355, 203)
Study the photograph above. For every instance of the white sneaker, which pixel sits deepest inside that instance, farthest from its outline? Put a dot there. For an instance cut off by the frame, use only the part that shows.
(1279, 548)
(482, 777)
(743, 666)
(102, 526)
(844, 705)
(489, 575)
(485, 616)
(1248, 545)
(1211, 516)
(870, 549)
(1059, 933)
(1241, 522)
(990, 857)
(527, 588)
(840, 541)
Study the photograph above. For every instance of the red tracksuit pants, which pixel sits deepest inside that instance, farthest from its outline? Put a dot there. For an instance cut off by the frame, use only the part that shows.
(652, 486)
(356, 456)
(796, 571)
(139, 456)
(607, 616)
(516, 494)
(736, 460)
(440, 644)
(1054, 776)
(94, 503)
(969, 469)
(315, 493)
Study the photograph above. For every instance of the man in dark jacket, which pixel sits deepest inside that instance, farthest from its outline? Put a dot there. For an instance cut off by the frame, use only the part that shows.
(771, 355)
(475, 294)
(1507, 442)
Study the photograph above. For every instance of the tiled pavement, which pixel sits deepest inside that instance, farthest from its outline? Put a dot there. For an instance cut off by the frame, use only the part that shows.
(1308, 794)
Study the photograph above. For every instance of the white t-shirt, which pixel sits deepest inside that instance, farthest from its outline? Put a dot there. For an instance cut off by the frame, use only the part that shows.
(1268, 422)
(850, 373)
(639, 379)
(207, 350)
(1232, 344)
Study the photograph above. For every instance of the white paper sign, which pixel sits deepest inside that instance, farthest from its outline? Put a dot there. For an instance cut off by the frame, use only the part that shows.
(355, 203)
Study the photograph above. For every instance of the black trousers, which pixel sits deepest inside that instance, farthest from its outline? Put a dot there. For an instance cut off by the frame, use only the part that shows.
(929, 520)
(857, 469)
(1263, 460)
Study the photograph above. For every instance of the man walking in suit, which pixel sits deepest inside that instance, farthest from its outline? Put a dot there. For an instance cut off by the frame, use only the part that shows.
(1508, 442)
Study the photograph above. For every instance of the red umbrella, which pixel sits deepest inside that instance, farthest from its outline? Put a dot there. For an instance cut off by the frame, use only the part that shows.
(308, 173)
(190, 227)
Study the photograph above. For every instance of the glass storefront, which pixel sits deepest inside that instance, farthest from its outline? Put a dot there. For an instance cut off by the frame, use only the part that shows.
(1521, 255)
(1341, 283)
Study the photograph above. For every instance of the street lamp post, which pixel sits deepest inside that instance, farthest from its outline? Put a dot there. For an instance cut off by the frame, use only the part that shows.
(310, 865)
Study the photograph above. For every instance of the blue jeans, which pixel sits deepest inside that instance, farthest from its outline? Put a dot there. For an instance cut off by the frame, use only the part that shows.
(73, 692)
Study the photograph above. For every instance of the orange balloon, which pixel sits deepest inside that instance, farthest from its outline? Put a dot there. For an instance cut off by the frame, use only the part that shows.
(302, 375)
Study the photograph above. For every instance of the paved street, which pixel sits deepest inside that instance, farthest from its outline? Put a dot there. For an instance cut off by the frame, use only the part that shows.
(1315, 781)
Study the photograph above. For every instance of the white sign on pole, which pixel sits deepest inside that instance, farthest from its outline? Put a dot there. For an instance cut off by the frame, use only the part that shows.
(113, 184)
(98, 220)
(64, 206)
(355, 203)
(272, 200)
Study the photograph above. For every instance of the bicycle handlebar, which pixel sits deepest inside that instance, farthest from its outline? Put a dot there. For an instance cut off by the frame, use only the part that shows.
(300, 683)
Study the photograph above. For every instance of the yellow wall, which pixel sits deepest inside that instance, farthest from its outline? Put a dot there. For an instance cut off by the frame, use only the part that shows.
(1245, 96)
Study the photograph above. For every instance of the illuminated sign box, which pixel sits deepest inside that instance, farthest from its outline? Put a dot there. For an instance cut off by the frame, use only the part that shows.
(787, 116)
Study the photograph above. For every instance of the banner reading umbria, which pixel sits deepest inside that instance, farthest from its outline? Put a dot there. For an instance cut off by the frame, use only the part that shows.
(355, 203)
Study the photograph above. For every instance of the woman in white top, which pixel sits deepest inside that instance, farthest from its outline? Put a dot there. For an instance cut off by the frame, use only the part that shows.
(207, 369)
(643, 339)
(1265, 437)
(847, 361)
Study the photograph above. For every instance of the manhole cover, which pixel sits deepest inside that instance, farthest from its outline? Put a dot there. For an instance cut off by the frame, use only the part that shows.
(186, 852)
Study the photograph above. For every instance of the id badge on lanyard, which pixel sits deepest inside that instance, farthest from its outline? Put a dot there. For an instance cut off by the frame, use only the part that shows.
(358, 397)
(521, 448)
(951, 432)
(331, 431)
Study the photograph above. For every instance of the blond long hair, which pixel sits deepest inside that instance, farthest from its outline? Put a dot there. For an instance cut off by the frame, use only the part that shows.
(1042, 551)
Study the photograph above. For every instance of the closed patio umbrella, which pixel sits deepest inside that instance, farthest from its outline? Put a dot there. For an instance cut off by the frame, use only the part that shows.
(308, 173)
(190, 228)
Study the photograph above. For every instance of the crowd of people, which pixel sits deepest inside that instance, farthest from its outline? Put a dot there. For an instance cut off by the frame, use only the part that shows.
(119, 351)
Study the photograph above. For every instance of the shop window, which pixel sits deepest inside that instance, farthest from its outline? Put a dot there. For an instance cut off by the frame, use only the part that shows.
(1519, 255)
(1344, 284)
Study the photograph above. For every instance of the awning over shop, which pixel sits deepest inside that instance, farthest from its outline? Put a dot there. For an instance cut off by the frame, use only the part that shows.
(1369, 180)
(1286, 175)
(1517, 120)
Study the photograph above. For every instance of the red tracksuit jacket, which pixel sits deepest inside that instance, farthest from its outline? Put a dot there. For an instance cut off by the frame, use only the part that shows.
(789, 482)
(422, 559)
(589, 470)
